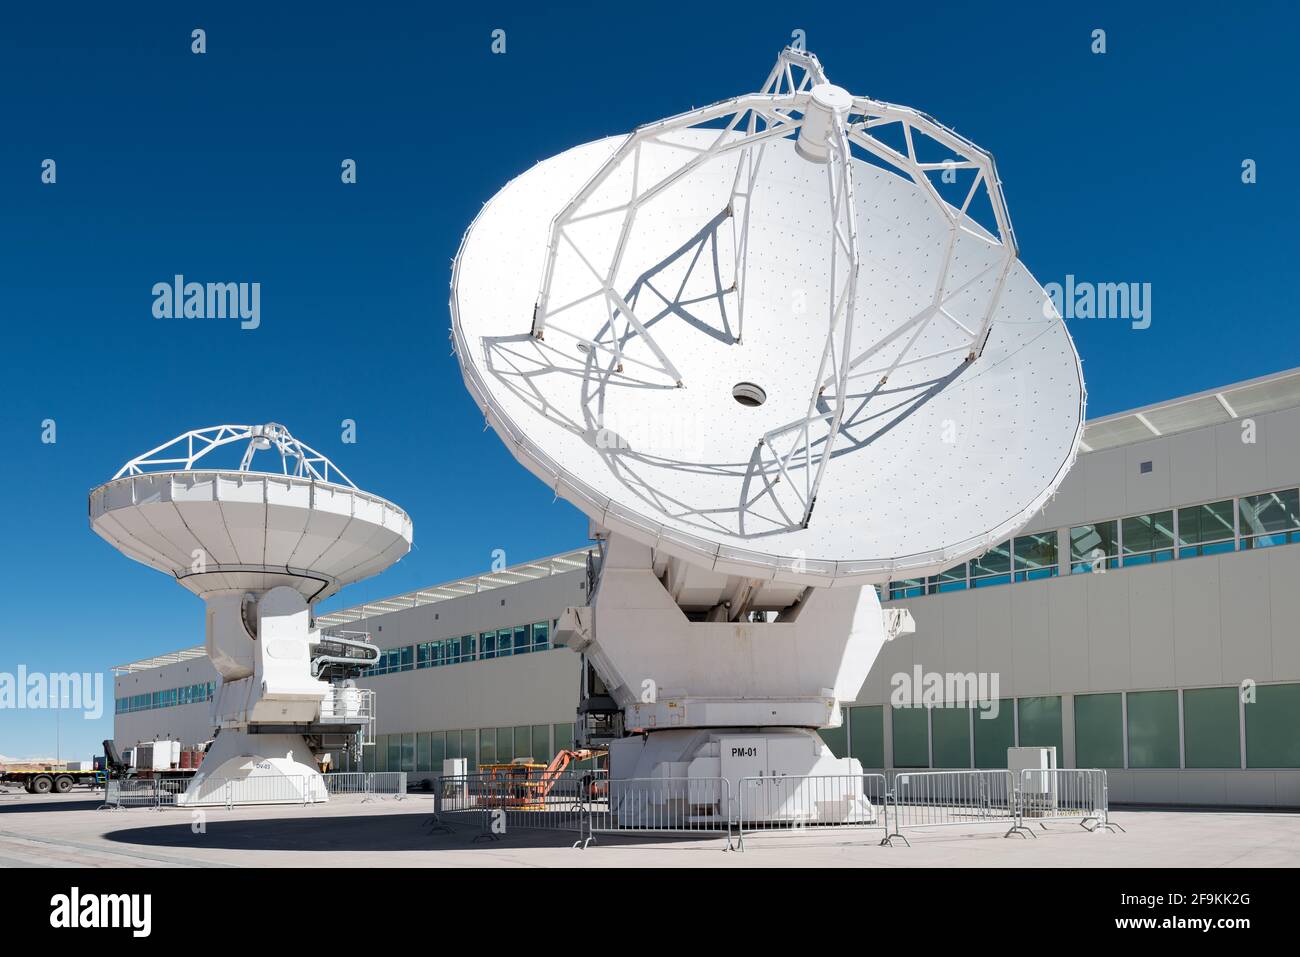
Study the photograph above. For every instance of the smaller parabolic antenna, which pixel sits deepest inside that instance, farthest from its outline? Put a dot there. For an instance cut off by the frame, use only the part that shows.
(260, 548)
(778, 349)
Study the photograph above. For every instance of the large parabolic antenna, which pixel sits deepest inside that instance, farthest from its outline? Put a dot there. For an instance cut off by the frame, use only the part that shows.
(776, 344)
(260, 548)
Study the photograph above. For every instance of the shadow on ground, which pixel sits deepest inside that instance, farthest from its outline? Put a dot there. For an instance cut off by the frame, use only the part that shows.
(387, 832)
(11, 804)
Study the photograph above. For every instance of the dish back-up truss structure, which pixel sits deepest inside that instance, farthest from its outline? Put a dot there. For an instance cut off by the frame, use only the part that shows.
(796, 100)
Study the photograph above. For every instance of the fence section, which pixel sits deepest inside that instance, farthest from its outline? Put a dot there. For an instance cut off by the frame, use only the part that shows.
(1065, 794)
(944, 798)
(792, 803)
(700, 807)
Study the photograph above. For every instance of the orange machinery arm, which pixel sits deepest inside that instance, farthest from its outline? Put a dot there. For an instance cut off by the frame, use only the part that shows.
(559, 764)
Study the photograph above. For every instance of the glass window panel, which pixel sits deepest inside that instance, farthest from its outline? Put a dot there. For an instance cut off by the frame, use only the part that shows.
(523, 741)
(1147, 538)
(837, 739)
(1035, 556)
(951, 579)
(422, 753)
(437, 750)
(487, 745)
(505, 744)
(523, 640)
(994, 733)
(1271, 723)
(505, 642)
(1091, 545)
(408, 751)
(1040, 724)
(951, 730)
(907, 588)
(381, 753)
(424, 655)
(453, 744)
(1153, 729)
(469, 749)
(1098, 731)
(487, 644)
(1211, 728)
(867, 736)
(541, 635)
(1205, 529)
(394, 752)
(993, 567)
(1271, 519)
(911, 737)
(542, 743)
(467, 648)
(563, 736)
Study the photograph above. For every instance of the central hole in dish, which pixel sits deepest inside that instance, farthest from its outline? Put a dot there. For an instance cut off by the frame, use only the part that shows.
(747, 393)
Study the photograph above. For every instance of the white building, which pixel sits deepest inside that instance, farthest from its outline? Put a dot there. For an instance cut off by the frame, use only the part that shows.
(1147, 622)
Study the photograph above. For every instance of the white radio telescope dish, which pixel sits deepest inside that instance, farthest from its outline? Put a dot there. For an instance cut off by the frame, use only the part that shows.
(260, 548)
(218, 528)
(787, 337)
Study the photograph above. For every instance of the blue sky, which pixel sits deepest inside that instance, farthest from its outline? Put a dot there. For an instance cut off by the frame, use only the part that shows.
(1122, 167)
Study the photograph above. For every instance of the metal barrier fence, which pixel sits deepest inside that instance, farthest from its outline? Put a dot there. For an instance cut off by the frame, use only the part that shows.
(386, 782)
(793, 803)
(694, 806)
(346, 782)
(942, 798)
(586, 803)
(213, 792)
(1065, 794)
(518, 797)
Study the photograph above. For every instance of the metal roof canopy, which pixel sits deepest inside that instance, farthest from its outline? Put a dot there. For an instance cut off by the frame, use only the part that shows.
(472, 585)
(1268, 393)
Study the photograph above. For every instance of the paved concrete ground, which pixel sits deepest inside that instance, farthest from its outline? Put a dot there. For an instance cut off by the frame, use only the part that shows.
(67, 830)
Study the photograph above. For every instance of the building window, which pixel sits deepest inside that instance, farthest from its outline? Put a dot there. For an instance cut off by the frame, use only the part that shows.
(1211, 728)
(1272, 519)
(524, 744)
(1094, 547)
(951, 579)
(1271, 723)
(541, 635)
(1153, 729)
(1205, 529)
(911, 737)
(993, 567)
(1147, 538)
(406, 658)
(906, 588)
(467, 648)
(425, 657)
(542, 743)
(950, 729)
(1034, 556)
(867, 736)
(523, 640)
(1098, 731)
(505, 642)
(487, 745)
(487, 644)
(994, 733)
(1040, 724)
